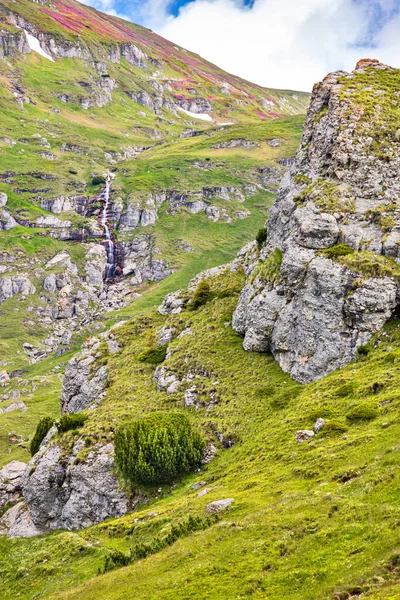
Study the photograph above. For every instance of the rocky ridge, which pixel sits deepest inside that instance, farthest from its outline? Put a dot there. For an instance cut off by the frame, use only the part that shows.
(327, 276)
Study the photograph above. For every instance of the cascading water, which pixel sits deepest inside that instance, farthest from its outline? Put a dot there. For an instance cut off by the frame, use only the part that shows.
(109, 243)
(113, 249)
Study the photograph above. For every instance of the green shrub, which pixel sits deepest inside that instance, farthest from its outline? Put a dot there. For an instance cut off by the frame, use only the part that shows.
(362, 412)
(42, 429)
(261, 236)
(201, 295)
(370, 264)
(157, 448)
(153, 356)
(336, 251)
(334, 427)
(363, 350)
(270, 270)
(175, 531)
(346, 389)
(116, 559)
(71, 421)
(98, 180)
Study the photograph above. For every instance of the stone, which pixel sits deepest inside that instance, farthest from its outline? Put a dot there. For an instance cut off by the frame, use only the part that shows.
(4, 376)
(219, 505)
(84, 382)
(10, 483)
(191, 396)
(319, 423)
(16, 284)
(19, 405)
(17, 522)
(203, 492)
(70, 494)
(165, 335)
(172, 304)
(303, 435)
(197, 486)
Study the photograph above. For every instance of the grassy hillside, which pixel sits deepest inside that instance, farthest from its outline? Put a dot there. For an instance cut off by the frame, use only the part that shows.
(309, 520)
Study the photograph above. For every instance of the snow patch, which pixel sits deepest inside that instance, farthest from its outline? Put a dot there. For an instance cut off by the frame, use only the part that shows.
(34, 45)
(202, 116)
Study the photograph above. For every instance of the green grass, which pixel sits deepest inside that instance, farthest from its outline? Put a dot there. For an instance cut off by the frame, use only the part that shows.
(308, 521)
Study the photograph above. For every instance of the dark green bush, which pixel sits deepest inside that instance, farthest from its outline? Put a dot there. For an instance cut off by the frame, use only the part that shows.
(42, 429)
(201, 295)
(157, 448)
(261, 236)
(140, 550)
(334, 427)
(98, 180)
(116, 559)
(153, 356)
(362, 412)
(337, 251)
(363, 350)
(71, 421)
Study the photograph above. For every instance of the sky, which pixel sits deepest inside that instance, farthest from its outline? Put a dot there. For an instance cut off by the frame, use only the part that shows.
(287, 44)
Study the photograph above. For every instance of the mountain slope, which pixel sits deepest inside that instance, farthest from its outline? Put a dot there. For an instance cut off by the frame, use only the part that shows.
(305, 477)
(105, 96)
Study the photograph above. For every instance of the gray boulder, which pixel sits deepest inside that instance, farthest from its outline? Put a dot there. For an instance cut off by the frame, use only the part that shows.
(70, 493)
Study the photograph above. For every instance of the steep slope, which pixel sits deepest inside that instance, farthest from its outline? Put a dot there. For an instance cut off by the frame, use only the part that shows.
(97, 97)
(309, 520)
(328, 274)
(298, 494)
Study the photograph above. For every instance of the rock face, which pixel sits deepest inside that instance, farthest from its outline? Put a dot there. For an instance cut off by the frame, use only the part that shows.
(326, 280)
(71, 493)
(10, 483)
(84, 381)
(11, 286)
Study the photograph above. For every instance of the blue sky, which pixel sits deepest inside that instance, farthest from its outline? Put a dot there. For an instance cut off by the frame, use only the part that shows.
(276, 43)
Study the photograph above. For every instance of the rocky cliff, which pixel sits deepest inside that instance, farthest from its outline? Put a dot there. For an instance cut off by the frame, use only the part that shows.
(327, 275)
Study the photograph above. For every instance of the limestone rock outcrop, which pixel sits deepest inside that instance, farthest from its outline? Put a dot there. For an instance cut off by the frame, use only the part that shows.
(326, 278)
(62, 491)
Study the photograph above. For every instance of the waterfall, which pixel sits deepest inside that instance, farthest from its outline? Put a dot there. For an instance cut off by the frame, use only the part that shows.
(112, 262)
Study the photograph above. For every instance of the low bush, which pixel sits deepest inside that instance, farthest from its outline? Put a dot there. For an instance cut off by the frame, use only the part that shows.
(334, 427)
(175, 531)
(98, 180)
(336, 251)
(42, 429)
(153, 355)
(269, 270)
(261, 236)
(201, 295)
(362, 412)
(71, 421)
(158, 448)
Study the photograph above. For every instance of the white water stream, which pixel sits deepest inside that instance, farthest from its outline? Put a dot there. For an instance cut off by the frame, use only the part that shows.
(109, 244)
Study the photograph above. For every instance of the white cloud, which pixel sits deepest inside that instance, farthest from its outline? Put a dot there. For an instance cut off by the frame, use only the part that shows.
(286, 44)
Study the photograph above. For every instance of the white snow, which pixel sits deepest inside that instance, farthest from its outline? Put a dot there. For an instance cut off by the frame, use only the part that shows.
(202, 116)
(34, 45)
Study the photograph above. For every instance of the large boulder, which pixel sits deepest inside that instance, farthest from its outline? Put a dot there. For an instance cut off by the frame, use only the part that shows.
(63, 492)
